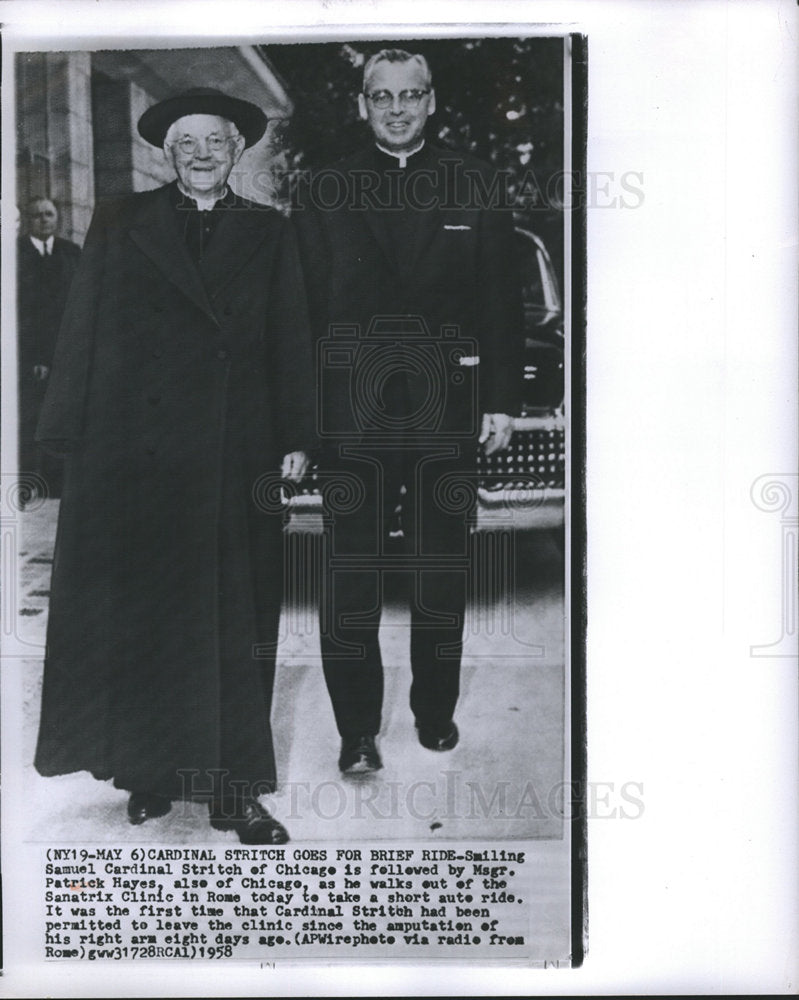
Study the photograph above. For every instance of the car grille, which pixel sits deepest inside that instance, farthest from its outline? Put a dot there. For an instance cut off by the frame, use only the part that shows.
(536, 457)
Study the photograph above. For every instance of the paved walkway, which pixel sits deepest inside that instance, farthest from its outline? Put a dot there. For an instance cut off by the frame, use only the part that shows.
(501, 782)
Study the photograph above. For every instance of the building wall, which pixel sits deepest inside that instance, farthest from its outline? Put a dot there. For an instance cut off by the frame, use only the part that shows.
(124, 161)
(55, 148)
(149, 167)
(77, 115)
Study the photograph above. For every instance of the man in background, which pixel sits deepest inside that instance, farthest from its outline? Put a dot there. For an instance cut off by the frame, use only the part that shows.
(46, 264)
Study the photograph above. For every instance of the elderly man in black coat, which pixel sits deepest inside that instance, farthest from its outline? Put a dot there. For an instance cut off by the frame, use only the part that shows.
(416, 305)
(180, 386)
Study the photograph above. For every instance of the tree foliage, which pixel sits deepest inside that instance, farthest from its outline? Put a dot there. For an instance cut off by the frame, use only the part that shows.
(500, 99)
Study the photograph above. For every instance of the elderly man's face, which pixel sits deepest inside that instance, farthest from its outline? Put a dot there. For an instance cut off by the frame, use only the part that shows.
(203, 150)
(42, 219)
(399, 126)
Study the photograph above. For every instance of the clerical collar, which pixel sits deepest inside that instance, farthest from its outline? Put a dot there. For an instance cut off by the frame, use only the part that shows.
(203, 204)
(404, 156)
(45, 247)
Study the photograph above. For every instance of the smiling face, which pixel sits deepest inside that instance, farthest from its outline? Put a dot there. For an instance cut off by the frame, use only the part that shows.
(203, 170)
(396, 127)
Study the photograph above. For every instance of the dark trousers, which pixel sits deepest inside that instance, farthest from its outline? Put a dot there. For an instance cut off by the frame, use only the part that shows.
(432, 557)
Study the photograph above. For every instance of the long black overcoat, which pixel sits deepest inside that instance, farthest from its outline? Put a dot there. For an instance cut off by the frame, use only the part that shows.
(174, 389)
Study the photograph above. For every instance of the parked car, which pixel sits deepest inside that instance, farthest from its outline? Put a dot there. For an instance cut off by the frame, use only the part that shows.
(530, 476)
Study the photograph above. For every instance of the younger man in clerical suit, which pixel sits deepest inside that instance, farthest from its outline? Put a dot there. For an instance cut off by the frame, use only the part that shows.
(416, 309)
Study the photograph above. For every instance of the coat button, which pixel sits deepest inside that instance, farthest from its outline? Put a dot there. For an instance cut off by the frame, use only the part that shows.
(158, 352)
(150, 449)
(222, 355)
(228, 310)
(154, 398)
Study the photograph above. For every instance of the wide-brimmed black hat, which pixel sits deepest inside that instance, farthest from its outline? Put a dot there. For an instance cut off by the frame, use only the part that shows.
(248, 118)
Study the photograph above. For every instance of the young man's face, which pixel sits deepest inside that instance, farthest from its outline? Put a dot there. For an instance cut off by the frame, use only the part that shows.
(400, 126)
(42, 219)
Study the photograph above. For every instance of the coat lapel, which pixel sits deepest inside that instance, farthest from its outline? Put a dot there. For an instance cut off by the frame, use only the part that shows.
(27, 249)
(238, 235)
(427, 224)
(371, 216)
(430, 222)
(156, 235)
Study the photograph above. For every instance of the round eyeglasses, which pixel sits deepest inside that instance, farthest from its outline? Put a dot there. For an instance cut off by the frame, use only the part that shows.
(215, 143)
(383, 99)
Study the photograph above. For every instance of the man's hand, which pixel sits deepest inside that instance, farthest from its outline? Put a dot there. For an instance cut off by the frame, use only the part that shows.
(40, 372)
(294, 466)
(496, 432)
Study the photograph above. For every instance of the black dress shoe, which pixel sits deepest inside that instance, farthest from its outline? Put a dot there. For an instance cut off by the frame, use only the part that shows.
(253, 823)
(146, 805)
(359, 755)
(435, 739)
